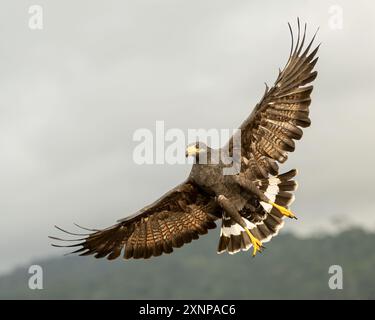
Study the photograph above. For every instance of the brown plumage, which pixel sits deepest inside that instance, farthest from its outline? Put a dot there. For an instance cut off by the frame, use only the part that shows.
(180, 216)
(270, 130)
(252, 203)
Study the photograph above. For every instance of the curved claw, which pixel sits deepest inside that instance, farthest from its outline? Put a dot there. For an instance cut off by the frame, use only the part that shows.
(257, 244)
(283, 211)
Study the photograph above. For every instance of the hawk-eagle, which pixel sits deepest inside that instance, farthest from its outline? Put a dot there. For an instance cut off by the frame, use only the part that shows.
(251, 204)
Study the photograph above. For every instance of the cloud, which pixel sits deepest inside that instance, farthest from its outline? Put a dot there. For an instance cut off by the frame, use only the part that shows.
(73, 94)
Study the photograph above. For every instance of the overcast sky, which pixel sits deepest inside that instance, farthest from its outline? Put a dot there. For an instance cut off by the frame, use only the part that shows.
(72, 95)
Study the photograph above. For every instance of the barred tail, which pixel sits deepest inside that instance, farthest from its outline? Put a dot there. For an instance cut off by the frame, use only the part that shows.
(233, 237)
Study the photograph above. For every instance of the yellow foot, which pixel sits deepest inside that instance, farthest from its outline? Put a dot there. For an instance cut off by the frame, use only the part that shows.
(283, 210)
(257, 245)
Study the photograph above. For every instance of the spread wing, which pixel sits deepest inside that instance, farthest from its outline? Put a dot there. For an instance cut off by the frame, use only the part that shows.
(268, 134)
(177, 218)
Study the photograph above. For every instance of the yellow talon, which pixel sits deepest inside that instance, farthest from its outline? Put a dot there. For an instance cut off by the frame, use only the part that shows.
(283, 210)
(257, 245)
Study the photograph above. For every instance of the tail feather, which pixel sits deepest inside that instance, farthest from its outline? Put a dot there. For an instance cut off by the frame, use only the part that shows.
(276, 189)
(233, 237)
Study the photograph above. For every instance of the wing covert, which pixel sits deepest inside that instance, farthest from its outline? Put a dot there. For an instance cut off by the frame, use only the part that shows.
(181, 215)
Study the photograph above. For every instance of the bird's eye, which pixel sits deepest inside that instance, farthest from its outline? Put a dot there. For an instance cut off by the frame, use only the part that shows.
(256, 203)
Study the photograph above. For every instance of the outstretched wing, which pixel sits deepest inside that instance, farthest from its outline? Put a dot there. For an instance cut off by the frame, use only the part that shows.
(177, 218)
(268, 134)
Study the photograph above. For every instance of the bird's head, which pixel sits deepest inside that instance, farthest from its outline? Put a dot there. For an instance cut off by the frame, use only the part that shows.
(197, 149)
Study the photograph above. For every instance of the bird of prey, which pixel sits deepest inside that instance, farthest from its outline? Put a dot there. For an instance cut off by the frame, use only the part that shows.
(251, 204)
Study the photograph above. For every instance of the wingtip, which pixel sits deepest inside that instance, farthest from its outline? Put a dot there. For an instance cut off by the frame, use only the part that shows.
(84, 228)
(71, 233)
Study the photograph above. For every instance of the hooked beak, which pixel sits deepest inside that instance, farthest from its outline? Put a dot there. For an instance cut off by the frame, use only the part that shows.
(191, 151)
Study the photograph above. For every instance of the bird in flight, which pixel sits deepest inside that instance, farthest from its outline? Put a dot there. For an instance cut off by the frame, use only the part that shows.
(252, 203)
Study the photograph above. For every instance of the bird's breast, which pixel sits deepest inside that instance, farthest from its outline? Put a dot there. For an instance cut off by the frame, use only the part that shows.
(206, 176)
(211, 179)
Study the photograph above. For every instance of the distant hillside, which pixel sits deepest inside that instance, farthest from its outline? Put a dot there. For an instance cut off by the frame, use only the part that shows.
(288, 268)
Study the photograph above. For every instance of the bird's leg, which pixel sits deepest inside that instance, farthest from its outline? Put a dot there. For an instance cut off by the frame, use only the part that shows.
(231, 210)
(284, 211)
(248, 185)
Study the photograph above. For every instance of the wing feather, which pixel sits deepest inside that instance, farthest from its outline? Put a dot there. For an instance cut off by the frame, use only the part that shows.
(268, 134)
(175, 219)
